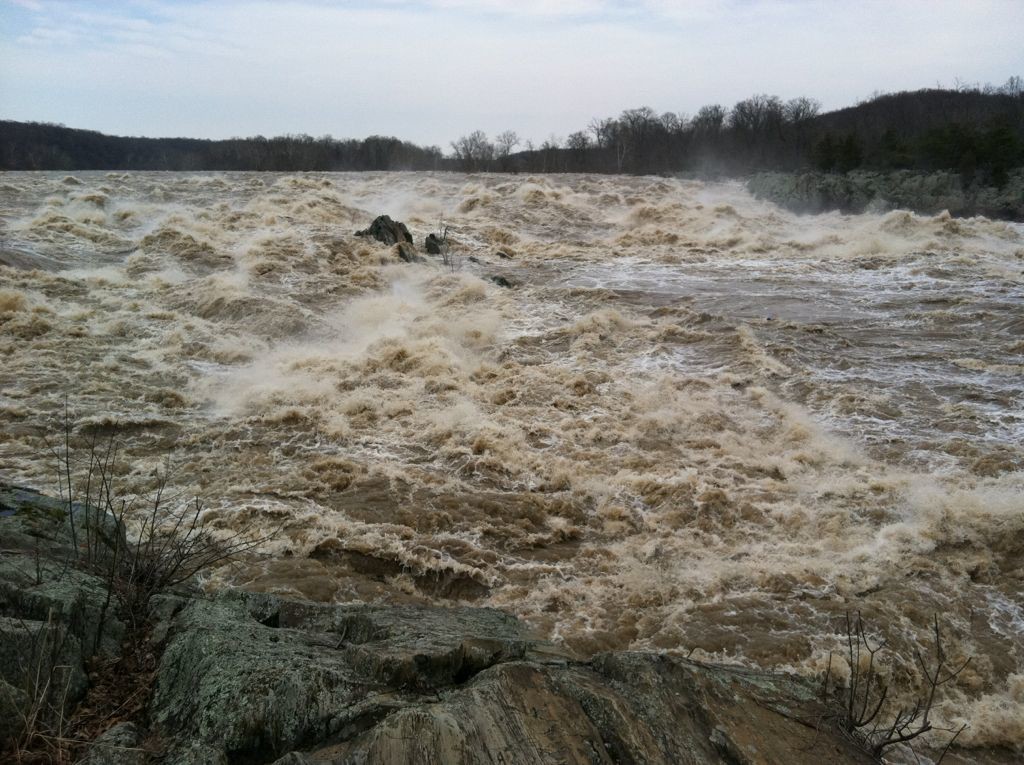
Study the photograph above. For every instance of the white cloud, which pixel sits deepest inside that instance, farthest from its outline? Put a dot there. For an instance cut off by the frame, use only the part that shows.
(542, 8)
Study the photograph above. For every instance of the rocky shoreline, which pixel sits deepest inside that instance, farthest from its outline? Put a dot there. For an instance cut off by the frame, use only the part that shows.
(868, 191)
(252, 678)
(244, 678)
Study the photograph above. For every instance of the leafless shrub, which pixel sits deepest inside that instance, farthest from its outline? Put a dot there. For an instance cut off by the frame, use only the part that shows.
(138, 548)
(450, 260)
(864, 714)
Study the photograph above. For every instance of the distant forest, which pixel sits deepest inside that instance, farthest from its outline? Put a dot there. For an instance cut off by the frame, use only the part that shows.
(976, 130)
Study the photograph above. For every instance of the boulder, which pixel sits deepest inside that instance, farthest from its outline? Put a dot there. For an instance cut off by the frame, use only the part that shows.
(252, 676)
(434, 244)
(40, 584)
(388, 231)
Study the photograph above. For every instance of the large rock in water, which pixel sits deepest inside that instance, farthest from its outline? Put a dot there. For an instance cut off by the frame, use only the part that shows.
(252, 678)
(433, 244)
(383, 229)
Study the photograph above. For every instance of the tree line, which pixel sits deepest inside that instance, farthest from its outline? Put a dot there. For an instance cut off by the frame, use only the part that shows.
(975, 130)
(978, 131)
(45, 146)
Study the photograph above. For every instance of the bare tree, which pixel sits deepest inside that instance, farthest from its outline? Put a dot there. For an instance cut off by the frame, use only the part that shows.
(758, 115)
(474, 152)
(637, 128)
(549, 153)
(1014, 86)
(710, 119)
(603, 130)
(802, 109)
(673, 123)
(505, 142)
(578, 143)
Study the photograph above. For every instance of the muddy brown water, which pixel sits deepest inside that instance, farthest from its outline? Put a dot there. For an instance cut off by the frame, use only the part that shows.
(697, 423)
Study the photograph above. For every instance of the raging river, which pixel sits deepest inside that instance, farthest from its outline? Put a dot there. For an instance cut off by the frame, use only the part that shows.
(693, 423)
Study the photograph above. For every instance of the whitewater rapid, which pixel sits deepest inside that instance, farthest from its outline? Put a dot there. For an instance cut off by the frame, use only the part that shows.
(694, 423)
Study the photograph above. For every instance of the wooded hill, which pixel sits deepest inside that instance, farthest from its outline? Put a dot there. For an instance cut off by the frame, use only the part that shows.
(44, 146)
(976, 131)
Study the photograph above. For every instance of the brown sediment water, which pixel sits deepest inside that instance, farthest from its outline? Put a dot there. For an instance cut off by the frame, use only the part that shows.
(695, 423)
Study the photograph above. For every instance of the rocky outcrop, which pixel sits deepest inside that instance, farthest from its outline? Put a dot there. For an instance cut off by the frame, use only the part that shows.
(39, 586)
(388, 231)
(867, 191)
(394, 233)
(253, 678)
(54, 617)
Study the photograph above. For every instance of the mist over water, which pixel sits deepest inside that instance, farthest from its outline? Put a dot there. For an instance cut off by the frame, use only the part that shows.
(697, 423)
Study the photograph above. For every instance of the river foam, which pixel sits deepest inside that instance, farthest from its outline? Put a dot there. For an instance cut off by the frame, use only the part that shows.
(696, 423)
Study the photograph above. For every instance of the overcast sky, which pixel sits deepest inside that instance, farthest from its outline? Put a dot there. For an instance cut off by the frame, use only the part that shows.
(431, 70)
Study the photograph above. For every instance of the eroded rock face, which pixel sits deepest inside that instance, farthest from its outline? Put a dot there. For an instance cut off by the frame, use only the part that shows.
(250, 678)
(53, 616)
(618, 708)
(250, 675)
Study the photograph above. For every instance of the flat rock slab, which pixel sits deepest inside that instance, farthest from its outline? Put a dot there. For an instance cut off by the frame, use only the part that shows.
(251, 678)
